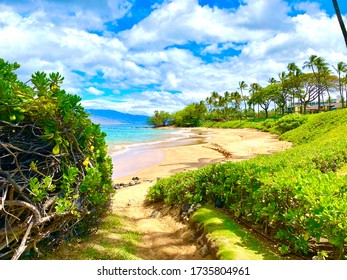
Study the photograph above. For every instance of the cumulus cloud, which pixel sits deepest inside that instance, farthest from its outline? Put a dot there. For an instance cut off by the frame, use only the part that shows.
(91, 14)
(161, 61)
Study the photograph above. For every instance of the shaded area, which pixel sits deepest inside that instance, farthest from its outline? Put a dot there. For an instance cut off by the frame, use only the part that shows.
(115, 240)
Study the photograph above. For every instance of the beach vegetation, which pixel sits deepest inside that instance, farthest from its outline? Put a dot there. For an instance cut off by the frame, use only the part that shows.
(55, 173)
(160, 119)
(192, 115)
(296, 197)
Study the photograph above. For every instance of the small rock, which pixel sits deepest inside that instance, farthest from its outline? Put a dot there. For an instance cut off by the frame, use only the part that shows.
(218, 203)
(200, 240)
(155, 214)
(135, 179)
(130, 202)
(186, 207)
(204, 251)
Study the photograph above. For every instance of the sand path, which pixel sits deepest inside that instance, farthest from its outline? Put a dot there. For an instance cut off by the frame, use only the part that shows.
(165, 238)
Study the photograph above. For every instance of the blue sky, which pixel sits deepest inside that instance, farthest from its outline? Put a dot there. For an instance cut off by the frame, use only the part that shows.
(139, 56)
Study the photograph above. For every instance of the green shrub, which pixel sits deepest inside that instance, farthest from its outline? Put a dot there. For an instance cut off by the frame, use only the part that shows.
(55, 174)
(287, 123)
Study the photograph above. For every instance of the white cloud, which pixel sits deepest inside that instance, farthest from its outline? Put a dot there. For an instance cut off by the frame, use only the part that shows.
(154, 58)
(181, 21)
(310, 8)
(94, 91)
(86, 15)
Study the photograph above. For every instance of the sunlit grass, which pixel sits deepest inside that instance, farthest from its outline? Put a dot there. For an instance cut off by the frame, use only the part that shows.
(234, 242)
(113, 241)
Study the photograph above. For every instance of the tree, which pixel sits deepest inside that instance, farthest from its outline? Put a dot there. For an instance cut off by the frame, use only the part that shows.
(280, 92)
(281, 98)
(243, 86)
(225, 101)
(236, 101)
(310, 92)
(339, 18)
(254, 88)
(264, 97)
(160, 119)
(317, 65)
(192, 115)
(341, 68)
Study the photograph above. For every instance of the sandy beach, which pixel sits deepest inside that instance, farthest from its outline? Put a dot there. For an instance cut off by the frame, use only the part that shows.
(203, 146)
(164, 237)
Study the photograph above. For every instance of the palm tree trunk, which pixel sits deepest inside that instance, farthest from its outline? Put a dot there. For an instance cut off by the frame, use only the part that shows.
(339, 17)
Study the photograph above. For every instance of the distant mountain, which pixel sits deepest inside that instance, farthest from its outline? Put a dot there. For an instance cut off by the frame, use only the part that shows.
(114, 117)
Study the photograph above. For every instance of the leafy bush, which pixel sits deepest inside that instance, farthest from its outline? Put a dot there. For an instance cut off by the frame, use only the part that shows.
(287, 123)
(55, 174)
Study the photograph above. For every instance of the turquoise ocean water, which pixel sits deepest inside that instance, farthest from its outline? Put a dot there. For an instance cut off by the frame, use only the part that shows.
(120, 136)
(128, 142)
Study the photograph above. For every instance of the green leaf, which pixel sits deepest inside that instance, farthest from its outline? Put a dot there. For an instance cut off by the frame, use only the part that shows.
(56, 149)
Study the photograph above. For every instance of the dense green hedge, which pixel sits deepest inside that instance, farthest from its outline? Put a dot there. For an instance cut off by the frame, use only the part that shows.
(55, 174)
(295, 195)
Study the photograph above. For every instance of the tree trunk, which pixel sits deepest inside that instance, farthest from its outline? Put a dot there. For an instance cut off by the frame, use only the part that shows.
(339, 17)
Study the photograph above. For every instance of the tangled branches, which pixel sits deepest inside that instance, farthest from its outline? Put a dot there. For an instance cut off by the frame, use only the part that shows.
(27, 214)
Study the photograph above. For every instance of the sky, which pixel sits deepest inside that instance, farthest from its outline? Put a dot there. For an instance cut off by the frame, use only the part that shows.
(138, 56)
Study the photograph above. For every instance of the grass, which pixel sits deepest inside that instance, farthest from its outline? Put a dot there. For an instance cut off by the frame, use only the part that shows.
(115, 240)
(234, 242)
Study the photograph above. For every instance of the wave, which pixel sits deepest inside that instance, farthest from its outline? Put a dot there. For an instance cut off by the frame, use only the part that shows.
(172, 136)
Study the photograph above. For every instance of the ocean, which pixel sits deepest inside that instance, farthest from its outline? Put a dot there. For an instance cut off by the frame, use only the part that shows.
(135, 147)
(125, 136)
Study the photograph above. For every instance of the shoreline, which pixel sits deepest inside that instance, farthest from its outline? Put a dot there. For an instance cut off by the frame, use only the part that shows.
(203, 146)
(136, 157)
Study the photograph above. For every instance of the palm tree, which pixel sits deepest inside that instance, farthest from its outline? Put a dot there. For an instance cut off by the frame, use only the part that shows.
(327, 81)
(242, 86)
(236, 98)
(254, 88)
(322, 67)
(282, 98)
(215, 100)
(341, 68)
(294, 71)
(226, 100)
(317, 65)
(209, 103)
(339, 18)
(272, 81)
